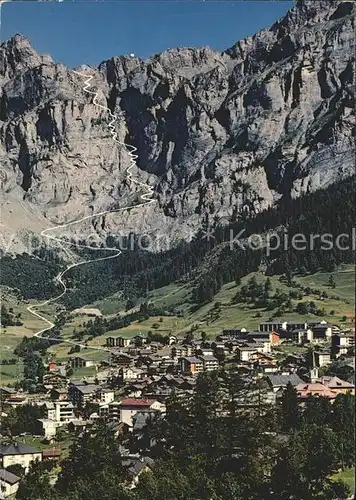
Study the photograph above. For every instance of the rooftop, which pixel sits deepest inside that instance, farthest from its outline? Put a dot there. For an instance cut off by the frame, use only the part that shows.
(283, 380)
(8, 477)
(136, 402)
(17, 448)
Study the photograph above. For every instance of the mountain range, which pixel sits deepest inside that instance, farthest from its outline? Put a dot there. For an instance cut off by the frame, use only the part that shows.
(217, 134)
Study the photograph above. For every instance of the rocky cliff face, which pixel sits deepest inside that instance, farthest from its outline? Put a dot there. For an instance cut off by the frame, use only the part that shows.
(216, 133)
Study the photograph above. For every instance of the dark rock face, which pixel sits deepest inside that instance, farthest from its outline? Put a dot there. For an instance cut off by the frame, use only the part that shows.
(216, 133)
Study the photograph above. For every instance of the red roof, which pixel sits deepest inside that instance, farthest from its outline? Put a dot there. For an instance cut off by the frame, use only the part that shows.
(136, 402)
(51, 453)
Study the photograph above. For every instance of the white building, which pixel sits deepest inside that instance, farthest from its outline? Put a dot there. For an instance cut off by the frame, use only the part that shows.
(9, 483)
(18, 453)
(60, 411)
(124, 410)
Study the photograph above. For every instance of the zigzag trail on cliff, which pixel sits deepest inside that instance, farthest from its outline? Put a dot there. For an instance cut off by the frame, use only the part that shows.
(147, 197)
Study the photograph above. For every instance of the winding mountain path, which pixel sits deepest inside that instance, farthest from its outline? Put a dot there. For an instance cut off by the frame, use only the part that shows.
(46, 233)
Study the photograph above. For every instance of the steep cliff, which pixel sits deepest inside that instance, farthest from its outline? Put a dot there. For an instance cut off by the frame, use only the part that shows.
(216, 133)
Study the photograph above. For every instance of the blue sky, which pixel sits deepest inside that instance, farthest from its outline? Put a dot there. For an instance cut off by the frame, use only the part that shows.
(80, 32)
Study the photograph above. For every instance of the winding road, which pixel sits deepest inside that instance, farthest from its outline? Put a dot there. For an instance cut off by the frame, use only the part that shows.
(46, 233)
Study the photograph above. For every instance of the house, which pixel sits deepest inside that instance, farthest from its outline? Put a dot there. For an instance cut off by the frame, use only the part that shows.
(48, 427)
(124, 410)
(104, 395)
(322, 358)
(263, 362)
(79, 362)
(277, 382)
(9, 483)
(316, 389)
(130, 373)
(337, 385)
(191, 364)
(210, 363)
(121, 359)
(140, 419)
(52, 455)
(244, 353)
(52, 366)
(302, 336)
(172, 340)
(54, 380)
(18, 453)
(273, 326)
(135, 466)
(232, 332)
(341, 343)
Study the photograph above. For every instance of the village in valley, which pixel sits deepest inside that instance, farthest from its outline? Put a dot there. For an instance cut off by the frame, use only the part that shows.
(131, 387)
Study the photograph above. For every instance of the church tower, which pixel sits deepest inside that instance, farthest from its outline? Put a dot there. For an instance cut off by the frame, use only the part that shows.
(314, 372)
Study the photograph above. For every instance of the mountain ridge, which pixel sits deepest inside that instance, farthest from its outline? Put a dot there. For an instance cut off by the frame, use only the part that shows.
(218, 133)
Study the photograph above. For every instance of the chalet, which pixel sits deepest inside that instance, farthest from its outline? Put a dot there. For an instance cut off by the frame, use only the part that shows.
(135, 466)
(104, 395)
(139, 340)
(52, 455)
(166, 363)
(18, 453)
(130, 373)
(7, 392)
(54, 380)
(180, 351)
(59, 394)
(9, 483)
(121, 359)
(263, 362)
(261, 338)
(259, 346)
(48, 427)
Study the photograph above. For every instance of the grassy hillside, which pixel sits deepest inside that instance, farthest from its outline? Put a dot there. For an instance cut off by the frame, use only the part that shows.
(221, 312)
